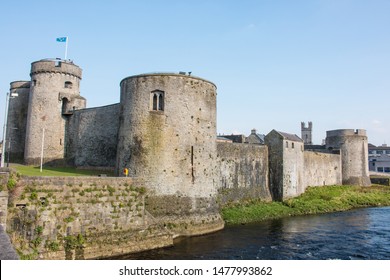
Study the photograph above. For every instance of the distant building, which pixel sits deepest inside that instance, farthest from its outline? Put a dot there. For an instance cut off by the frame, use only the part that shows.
(235, 138)
(255, 138)
(222, 139)
(379, 158)
(306, 133)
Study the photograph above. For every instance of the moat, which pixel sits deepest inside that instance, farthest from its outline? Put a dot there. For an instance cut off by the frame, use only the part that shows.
(361, 234)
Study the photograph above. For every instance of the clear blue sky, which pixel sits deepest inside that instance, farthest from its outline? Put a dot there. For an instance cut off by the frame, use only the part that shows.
(275, 63)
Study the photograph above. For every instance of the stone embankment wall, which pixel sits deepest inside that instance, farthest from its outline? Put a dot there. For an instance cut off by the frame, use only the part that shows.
(81, 218)
(93, 136)
(243, 172)
(322, 169)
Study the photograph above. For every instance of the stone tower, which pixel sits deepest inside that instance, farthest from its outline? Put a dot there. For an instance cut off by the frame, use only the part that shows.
(54, 94)
(17, 119)
(167, 136)
(286, 165)
(353, 148)
(306, 133)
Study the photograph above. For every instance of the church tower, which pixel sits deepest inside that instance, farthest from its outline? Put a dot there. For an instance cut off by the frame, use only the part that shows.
(306, 133)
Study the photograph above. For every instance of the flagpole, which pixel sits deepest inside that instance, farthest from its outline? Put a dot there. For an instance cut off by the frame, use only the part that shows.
(66, 47)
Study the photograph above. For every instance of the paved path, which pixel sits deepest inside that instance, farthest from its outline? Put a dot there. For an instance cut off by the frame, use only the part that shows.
(7, 251)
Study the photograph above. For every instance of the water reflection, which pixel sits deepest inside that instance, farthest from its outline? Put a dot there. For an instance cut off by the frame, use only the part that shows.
(357, 234)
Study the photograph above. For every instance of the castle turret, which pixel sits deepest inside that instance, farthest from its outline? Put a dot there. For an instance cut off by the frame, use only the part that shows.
(17, 119)
(54, 94)
(353, 147)
(167, 136)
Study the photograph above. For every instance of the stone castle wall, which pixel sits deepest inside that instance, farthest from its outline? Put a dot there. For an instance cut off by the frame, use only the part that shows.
(167, 136)
(53, 94)
(243, 172)
(93, 137)
(322, 169)
(17, 120)
(81, 218)
(353, 147)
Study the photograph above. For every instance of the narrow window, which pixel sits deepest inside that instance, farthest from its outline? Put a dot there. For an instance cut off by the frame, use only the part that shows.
(161, 102)
(292, 145)
(34, 82)
(286, 144)
(68, 84)
(155, 100)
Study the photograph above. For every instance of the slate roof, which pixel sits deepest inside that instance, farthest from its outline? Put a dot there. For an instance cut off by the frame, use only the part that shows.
(291, 137)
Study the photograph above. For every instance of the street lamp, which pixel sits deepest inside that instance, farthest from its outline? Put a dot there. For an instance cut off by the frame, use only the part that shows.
(8, 96)
(9, 146)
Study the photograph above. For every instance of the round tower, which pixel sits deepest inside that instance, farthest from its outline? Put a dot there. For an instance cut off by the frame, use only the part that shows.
(167, 136)
(54, 94)
(353, 147)
(17, 119)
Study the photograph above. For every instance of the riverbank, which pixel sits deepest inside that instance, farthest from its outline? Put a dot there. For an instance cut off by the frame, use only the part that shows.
(315, 200)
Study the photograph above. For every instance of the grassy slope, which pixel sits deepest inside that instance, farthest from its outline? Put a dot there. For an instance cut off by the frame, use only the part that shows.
(314, 201)
(56, 171)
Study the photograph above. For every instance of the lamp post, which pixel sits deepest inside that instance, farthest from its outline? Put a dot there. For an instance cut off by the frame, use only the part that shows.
(9, 146)
(8, 95)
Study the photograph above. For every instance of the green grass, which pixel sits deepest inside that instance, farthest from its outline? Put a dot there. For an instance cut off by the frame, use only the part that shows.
(315, 200)
(56, 171)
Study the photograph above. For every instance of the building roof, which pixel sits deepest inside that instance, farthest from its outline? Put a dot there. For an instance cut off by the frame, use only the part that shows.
(224, 139)
(255, 138)
(291, 137)
(383, 148)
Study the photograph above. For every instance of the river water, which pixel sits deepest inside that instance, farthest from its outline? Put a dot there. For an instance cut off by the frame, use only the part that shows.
(357, 235)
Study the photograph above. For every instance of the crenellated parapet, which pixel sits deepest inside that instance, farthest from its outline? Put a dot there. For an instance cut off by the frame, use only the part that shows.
(56, 66)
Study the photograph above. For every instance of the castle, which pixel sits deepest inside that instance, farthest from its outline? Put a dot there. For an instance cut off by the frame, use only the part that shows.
(164, 132)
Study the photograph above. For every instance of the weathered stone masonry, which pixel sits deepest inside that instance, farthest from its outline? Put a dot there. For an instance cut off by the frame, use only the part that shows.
(81, 218)
(243, 172)
(164, 131)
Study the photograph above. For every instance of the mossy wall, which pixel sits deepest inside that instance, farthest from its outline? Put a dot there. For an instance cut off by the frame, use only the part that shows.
(243, 172)
(81, 218)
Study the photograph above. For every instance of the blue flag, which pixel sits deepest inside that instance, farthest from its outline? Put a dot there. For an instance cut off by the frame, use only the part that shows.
(61, 39)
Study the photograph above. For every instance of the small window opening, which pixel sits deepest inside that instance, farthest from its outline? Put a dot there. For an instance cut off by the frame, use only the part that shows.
(292, 145)
(68, 84)
(157, 102)
(34, 82)
(161, 102)
(286, 144)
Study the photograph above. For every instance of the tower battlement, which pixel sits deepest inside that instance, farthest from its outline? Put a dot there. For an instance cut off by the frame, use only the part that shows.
(19, 84)
(306, 133)
(56, 66)
(346, 132)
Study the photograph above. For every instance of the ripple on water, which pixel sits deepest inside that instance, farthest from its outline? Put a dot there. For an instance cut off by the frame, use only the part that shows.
(361, 234)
